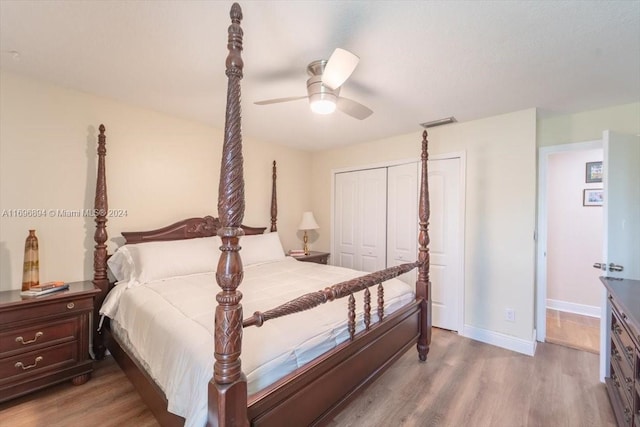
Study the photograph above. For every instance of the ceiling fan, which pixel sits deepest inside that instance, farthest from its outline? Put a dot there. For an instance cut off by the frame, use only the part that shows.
(323, 87)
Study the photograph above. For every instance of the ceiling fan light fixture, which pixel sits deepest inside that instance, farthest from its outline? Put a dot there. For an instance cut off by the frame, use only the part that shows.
(322, 103)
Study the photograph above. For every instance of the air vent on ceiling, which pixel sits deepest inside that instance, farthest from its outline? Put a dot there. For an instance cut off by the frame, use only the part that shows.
(439, 122)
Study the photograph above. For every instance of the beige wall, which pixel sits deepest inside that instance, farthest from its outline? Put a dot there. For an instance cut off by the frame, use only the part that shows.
(588, 125)
(574, 232)
(160, 169)
(500, 208)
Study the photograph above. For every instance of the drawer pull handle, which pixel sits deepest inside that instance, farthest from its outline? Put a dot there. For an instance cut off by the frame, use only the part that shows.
(24, 368)
(70, 305)
(615, 354)
(23, 342)
(614, 377)
(629, 349)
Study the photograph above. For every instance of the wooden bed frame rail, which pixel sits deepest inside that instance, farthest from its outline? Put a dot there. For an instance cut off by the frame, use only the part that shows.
(340, 290)
(329, 382)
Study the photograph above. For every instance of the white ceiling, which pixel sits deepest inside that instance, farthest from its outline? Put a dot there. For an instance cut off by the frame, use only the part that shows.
(419, 60)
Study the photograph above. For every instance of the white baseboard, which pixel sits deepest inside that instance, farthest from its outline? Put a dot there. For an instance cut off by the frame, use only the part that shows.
(509, 342)
(571, 307)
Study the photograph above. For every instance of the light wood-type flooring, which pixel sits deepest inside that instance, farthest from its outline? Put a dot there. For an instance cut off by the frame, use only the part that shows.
(573, 330)
(463, 383)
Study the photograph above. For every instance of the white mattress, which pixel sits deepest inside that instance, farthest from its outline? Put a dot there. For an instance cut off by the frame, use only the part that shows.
(170, 325)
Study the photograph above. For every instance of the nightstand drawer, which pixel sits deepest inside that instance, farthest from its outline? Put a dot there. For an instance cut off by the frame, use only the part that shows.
(47, 306)
(21, 340)
(35, 362)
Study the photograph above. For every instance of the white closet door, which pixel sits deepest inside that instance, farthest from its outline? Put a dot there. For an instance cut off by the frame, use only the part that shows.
(345, 219)
(402, 218)
(360, 219)
(372, 224)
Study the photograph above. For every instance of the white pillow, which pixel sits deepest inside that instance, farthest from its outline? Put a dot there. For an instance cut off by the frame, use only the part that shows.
(121, 264)
(145, 262)
(261, 248)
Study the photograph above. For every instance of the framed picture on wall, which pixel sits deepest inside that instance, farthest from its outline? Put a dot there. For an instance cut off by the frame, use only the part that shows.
(594, 172)
(592, 197)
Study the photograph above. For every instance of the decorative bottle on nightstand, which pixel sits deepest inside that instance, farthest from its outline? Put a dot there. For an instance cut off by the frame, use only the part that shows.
(30, 272)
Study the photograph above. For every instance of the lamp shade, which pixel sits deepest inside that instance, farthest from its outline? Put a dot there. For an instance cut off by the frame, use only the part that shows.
(308, 222)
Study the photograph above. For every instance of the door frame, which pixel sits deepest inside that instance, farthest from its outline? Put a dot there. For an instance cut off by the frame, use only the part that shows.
(541, 239)
(462, 210)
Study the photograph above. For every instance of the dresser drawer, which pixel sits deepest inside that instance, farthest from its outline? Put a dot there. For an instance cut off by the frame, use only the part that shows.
(625, 415)
(619, 332)
(47, 307)
(37, 362)
(28, 338)
(623, 376)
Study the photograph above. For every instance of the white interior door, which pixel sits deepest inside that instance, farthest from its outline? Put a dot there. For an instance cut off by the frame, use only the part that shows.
(445, 231)
(402, 217)
(360, 219)
(621, 242)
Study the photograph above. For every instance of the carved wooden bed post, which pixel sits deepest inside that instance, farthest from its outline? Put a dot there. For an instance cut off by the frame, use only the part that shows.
(423, 286)
(228, 389)
(274, 199)
(100, 237)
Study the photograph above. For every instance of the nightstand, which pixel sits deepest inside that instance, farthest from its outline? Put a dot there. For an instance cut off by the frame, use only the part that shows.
(317, 257)
(45, 340)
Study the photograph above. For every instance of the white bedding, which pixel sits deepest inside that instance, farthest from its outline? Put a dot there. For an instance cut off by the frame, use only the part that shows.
(170, 324)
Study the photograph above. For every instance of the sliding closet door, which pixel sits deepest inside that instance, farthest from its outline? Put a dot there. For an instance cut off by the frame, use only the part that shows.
(360, 219)
(402, 217)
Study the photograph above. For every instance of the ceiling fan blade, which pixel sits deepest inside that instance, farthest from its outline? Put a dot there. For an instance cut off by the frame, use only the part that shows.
(353, 108)
(277, 100)
(339, 67)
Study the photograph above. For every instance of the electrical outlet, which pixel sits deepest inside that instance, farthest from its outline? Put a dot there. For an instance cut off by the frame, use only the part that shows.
(510, 315)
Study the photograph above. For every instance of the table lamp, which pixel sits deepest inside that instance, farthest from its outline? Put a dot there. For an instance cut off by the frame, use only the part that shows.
(308, 223)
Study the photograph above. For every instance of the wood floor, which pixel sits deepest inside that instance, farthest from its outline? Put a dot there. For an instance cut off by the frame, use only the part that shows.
(573, 330)
(463, 383)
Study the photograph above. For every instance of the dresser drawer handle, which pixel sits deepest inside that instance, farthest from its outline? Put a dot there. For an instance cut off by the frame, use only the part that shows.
(24, 368)
(614, 377)
(70, 305)
(23, 342)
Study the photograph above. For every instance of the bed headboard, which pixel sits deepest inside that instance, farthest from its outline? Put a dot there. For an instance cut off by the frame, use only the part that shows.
(186, 229)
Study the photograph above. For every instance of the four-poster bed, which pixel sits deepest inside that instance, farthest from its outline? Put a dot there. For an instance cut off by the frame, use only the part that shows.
(312, 392)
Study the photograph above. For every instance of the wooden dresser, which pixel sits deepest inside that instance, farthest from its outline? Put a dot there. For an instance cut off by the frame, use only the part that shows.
(45, 340)
(623, 382)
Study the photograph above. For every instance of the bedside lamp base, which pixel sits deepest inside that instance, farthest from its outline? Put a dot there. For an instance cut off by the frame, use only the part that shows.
(306, 243)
